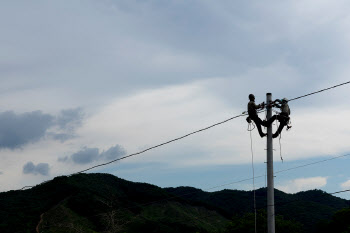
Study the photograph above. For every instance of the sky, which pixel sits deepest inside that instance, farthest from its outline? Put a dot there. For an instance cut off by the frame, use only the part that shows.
(87, 82)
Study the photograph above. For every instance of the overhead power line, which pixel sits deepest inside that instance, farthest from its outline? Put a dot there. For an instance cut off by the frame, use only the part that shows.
(305, 165)
(162, 144)
(153, 147)
(194, 132)
(319, 91)
(343, 191)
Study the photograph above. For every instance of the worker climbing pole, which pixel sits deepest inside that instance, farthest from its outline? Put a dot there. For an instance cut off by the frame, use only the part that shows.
(253, 115)
(282, 117)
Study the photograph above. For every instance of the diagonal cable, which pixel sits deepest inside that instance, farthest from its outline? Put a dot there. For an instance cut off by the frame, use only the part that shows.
(162, 144)
(319, 91)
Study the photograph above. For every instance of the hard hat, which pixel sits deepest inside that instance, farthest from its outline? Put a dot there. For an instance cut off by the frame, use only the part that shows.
(285, 100)
(251, 97)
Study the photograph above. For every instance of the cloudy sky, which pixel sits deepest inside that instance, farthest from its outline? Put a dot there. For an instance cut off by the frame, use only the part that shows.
(86, 82)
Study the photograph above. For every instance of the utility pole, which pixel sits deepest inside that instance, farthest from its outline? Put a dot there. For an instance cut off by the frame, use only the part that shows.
(270, 183)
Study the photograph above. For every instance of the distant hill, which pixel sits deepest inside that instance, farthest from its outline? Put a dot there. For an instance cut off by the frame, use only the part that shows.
(105, 203)
(308, 207)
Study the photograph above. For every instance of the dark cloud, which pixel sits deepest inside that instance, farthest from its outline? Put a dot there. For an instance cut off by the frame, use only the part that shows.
(17, 130)
(41, 168)
(89, 155)
(69, 119)
(113, 153)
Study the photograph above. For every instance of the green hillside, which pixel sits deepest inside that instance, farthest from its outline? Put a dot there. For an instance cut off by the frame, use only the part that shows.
(102, 203)
(308, 207)
(105, 203)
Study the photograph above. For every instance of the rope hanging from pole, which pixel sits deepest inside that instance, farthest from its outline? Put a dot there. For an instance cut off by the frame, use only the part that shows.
(250, 129)
(279, 140)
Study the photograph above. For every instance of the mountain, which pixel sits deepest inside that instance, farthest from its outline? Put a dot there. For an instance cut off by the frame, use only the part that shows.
(308, 207)
(102, 203)
(105, 203)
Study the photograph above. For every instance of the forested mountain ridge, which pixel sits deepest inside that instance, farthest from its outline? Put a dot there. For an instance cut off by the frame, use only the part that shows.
(308, 208)
(105, 203)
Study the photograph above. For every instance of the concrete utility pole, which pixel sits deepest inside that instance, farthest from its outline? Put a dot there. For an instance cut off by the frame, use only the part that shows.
(270, 184)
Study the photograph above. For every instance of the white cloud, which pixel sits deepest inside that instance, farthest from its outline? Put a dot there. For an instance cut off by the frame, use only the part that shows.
(158, 115)
(345, 185)
(303, 184)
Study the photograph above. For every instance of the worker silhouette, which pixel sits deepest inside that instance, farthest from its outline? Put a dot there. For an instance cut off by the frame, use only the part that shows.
(283, 117)
(253, 115)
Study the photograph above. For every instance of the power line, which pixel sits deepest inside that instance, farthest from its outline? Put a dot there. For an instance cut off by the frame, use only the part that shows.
(153, 147)
(284, 170)
(162, 144)
(343, 191)
(319, 91)
(305, 165)
(194, 132)
(296, 200)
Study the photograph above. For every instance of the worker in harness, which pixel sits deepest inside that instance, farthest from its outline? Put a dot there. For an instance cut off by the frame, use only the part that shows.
(283, 117)
(253, 115)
